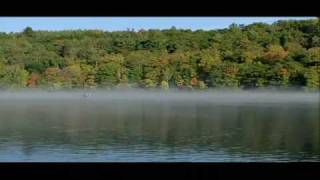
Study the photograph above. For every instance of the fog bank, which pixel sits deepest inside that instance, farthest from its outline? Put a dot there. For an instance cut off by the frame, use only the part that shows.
(226, 96)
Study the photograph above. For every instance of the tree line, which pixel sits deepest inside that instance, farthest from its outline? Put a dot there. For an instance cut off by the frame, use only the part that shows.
(283, 54)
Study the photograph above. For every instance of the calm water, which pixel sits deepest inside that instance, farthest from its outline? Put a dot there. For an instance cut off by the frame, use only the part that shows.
(161, 127)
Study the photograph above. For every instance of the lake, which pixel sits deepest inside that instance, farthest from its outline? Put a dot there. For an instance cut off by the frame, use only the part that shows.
(159, 127)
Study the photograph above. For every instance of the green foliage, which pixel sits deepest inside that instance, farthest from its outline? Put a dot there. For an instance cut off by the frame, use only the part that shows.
(225, 75)
(88, 75)
(13, 76)
(313, 78)
(108, 74)
(28, 31)
(313, 56)
(202, 85)
(164, 85)
(253, 75)
(283, 54)
(72, 76)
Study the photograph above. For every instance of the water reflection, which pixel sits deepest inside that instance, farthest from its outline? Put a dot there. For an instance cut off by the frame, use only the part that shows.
(140, 130)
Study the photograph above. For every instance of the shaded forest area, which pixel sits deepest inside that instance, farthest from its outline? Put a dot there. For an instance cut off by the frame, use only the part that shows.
(284, 54)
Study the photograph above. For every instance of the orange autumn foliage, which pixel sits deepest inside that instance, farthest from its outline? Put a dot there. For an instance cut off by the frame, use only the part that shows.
(194, 81)
(32, 82)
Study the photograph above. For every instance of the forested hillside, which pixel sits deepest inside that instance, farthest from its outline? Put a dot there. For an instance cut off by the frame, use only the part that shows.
(283, 54)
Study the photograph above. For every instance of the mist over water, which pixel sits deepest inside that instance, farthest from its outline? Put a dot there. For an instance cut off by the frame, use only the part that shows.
(144, 126)
(145, 95)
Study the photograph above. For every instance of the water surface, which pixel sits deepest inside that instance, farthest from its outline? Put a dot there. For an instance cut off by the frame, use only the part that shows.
(160, 127)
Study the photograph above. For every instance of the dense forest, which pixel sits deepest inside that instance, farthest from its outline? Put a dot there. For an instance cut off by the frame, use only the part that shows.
(284, 54)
